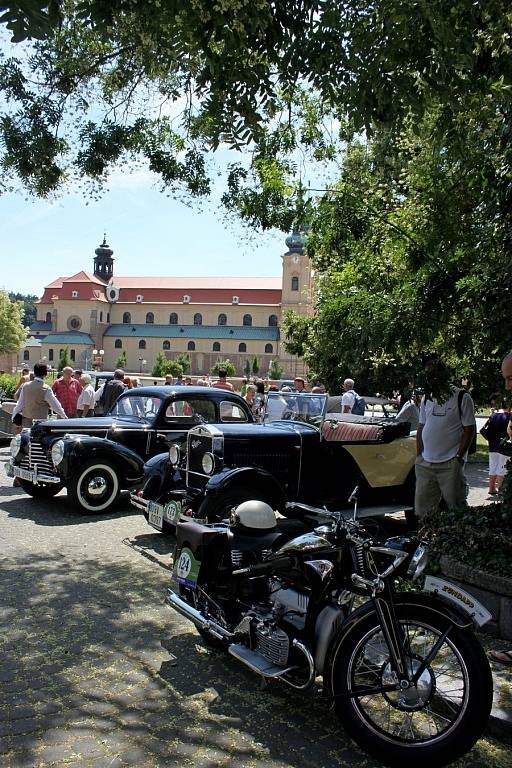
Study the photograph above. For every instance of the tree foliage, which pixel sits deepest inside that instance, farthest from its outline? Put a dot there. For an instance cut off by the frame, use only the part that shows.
(164, 367)
(12, 332)
(275, 370)
(122, 360)
(166, 82)
(412, 252)
(29, 306)
(223, 365)
(63, 359)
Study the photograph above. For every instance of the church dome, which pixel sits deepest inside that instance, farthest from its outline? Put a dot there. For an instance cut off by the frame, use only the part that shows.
(296, 241)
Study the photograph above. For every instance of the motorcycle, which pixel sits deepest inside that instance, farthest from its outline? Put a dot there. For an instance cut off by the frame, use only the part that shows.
(403, 670)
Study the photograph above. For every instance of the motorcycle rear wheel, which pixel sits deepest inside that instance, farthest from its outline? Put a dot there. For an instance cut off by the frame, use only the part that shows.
(428, 725)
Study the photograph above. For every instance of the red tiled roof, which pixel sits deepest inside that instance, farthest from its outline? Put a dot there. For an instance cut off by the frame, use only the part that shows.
(197, 283)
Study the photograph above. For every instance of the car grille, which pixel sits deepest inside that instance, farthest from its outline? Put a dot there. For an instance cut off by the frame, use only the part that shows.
(277, 463)
(36, 455)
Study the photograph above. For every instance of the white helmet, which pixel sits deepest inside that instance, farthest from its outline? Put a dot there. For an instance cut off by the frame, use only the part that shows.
(254, 514)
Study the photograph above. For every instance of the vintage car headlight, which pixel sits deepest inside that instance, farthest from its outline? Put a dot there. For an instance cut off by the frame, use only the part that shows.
(418, 562)
(174, 453)
(15, 446)
(208, 463)
(57, 452)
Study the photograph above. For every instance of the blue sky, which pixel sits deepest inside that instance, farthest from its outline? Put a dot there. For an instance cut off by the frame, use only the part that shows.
(150, 233)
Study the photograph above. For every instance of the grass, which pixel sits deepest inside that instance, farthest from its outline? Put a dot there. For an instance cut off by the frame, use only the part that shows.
(482, 451)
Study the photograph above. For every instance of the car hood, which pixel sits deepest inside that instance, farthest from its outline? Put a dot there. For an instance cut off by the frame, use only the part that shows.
(92, 426)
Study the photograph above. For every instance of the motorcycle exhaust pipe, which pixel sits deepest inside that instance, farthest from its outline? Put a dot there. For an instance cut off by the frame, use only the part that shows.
(196, 617)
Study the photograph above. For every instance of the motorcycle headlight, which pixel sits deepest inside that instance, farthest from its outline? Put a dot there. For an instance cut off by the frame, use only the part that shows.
(15, 446)
(208, 463)
(418, 562)
(57, 452)
(174, 454)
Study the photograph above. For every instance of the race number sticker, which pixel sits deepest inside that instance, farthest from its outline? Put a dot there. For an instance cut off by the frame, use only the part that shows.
(186, 569)
(173, 511)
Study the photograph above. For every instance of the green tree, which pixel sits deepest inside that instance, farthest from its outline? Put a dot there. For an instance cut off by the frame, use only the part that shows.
(184, 360)
(12, 332)
(275, 370)
(247, 368)
(223, 365)
(63, 359)
(122, 360)
(164, 367)
(255, 367)
(29, 306)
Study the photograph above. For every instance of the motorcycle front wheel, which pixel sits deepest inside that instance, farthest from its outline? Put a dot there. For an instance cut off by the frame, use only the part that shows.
(430, 723)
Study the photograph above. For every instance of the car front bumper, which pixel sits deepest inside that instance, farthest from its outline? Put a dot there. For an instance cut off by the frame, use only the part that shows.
(31, 475)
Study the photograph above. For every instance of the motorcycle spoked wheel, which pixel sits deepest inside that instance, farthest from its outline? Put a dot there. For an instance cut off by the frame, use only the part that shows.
(431, 724)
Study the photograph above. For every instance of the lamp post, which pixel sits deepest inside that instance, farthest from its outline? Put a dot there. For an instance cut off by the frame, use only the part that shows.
(98, 358)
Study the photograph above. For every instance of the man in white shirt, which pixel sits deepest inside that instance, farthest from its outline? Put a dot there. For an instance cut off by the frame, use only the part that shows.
(349, 397)
(445, 431)
(85, 405)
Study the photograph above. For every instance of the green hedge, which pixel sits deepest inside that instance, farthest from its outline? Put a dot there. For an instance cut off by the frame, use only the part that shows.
(8, 382)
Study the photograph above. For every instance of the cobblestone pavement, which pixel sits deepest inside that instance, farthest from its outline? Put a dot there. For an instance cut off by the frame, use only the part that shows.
(96, 671)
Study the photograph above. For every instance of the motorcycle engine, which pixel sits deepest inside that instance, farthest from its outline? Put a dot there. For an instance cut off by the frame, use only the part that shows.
(274, 630)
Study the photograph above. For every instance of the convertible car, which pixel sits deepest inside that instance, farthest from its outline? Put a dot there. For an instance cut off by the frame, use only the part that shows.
(300, 453)
(95, 458)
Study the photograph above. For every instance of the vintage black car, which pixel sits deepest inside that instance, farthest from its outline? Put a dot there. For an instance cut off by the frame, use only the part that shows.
(95, 458)
(299, 453)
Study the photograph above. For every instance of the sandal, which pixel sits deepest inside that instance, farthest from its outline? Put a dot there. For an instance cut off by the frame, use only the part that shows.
(504, 657)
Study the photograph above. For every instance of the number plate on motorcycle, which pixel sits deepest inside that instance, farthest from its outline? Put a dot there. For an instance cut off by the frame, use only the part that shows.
(459, 597)
(186, 568)
(155, 515)
(172, 511)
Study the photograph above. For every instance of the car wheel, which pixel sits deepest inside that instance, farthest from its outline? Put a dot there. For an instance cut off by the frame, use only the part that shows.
(219, 507)
(95, 487)
(40, 491)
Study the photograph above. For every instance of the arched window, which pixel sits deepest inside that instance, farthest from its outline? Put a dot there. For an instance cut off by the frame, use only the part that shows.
(48, 317)
(166, 345)
(198, 318)
(216, 346)
(191, 346)
(127, 318)
(295, 283)
(242, 347)
(50, 355)
(118, 344)
(142, 344)
(72, 355)
(247, 320)
(222, 319)
(150, 318)
(269, 348)
(26, 355)
(173, 318)
(272, 320)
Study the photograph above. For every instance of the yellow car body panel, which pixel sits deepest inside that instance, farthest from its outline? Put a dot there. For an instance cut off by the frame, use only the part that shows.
(387, 463)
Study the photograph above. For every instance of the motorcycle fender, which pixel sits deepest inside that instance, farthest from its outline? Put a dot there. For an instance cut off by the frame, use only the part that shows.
(247, 476)
(464, 601)
(328, 622)
(80, 448)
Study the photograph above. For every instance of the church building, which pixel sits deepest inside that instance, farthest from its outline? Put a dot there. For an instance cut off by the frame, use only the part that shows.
(97, 316)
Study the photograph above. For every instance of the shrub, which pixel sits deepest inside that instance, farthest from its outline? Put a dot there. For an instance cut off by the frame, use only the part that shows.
(478, 536)
(275, 371)
(223, 365)
(163, 367)
(8, 382)
(122, 360)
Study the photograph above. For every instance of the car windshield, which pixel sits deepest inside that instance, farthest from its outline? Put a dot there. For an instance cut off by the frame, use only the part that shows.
(132, 406)
(295, 406)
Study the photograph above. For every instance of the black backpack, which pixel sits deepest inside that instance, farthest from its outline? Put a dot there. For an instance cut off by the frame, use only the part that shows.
(359, 406)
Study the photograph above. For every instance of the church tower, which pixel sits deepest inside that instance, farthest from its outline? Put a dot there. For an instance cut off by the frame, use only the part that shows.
(103, 261)
(297, 290)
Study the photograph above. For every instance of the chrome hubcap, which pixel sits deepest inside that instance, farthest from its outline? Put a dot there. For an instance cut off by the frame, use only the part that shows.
(413, 696)
(96, 486)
